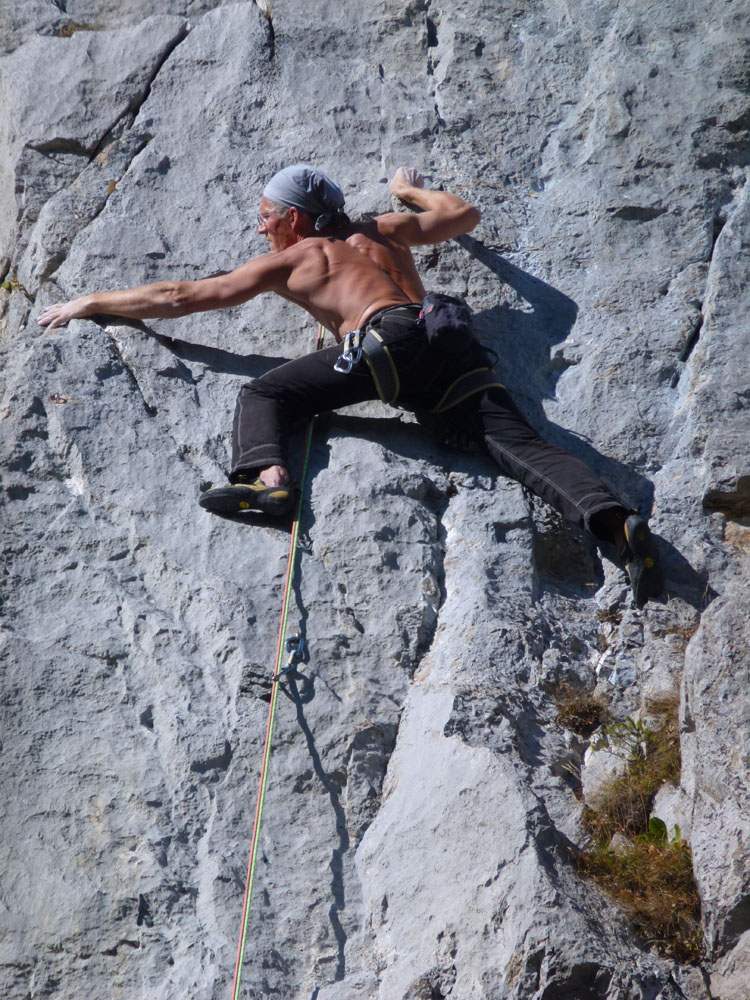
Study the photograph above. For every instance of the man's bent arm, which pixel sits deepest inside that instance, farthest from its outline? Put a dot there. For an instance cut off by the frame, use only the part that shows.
(442, 215)
(167, 299)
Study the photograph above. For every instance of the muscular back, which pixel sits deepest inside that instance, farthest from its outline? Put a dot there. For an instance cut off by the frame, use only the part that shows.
(339, 284)
(389, 255)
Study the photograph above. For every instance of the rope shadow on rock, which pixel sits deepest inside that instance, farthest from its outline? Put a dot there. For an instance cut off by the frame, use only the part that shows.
(300, 696)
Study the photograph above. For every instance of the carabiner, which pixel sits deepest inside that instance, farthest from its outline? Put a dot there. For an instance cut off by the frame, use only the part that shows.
(351, 354)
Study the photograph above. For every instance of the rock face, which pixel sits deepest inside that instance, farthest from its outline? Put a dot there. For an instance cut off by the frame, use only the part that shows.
(421, 806)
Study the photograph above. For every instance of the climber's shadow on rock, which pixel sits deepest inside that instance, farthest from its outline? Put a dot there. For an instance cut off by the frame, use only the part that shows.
(522, 339)
(681, 579)
(218, 360)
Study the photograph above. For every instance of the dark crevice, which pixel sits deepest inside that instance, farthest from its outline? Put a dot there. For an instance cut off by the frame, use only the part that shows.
(123, 941)
(636, 213)
(299, 697)
(58, 145)
(719, 221)
(435, 501)
(692, 340)
(144, 917)
(718, 224)
(741, 124)
(265, 10)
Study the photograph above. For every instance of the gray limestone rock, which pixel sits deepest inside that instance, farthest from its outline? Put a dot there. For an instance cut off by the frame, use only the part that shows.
(423, 807)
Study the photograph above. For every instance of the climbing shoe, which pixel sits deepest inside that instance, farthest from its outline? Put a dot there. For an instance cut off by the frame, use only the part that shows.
(641, 561)
(235, 498)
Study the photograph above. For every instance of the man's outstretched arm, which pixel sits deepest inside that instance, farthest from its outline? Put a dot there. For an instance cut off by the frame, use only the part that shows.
(442, 215)
(167, 299)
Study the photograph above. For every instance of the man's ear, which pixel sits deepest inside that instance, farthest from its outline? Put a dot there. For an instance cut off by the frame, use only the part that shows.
(300, 222)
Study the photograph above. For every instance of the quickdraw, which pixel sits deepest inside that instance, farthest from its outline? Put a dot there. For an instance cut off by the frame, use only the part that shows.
(351, 354)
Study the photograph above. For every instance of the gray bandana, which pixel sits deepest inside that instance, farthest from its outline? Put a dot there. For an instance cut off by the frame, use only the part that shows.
(309, 189)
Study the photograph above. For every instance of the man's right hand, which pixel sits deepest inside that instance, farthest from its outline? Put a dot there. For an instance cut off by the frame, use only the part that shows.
(440, 214)
(404, 180)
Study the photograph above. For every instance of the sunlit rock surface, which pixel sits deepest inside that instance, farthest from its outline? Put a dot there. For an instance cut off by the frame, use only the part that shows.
(423, 800)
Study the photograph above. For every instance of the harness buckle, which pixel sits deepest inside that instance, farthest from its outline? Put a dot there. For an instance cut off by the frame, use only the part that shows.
(351, 355)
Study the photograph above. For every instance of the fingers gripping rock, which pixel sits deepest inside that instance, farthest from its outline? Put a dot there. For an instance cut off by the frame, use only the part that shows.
(410, 176)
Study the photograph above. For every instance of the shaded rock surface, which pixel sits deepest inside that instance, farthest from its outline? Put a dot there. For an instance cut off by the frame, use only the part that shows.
(423, 800)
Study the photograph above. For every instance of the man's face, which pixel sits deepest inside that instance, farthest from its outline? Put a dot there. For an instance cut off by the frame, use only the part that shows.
(276, 228)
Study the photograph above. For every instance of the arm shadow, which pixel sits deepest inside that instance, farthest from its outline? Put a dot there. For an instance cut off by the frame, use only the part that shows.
(213, 358)
(553, 313)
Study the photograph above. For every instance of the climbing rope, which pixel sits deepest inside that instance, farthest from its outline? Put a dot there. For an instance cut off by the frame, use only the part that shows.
(294, 647)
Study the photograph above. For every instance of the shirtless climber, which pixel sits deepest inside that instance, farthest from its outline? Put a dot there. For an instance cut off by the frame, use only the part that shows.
(360, 282)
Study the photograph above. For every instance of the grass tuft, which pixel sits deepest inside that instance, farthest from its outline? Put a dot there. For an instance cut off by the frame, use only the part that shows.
(654, 885)
(71, 27)
(579, 711)
(650, 876)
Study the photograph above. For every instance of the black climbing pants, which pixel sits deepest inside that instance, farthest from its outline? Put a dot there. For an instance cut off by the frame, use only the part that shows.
(268, 407)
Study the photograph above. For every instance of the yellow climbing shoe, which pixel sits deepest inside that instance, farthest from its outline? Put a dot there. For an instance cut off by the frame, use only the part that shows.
(235, 498)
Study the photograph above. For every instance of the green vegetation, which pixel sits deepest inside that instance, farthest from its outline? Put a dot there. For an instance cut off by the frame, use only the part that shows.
(12, 284)
(650, 875)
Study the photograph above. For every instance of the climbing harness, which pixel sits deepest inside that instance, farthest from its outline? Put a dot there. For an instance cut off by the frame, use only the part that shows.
(295, 647)
(368, 344)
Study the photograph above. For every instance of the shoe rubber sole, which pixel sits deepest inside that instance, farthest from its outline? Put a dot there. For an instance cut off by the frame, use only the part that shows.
(238, 498)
